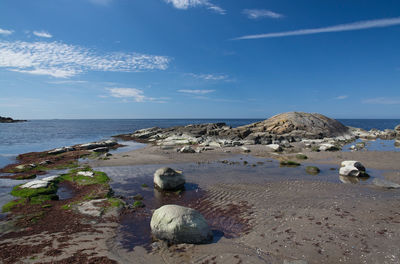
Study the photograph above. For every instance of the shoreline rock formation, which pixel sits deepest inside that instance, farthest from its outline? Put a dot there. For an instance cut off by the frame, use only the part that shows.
(10, 120)
(280, 131)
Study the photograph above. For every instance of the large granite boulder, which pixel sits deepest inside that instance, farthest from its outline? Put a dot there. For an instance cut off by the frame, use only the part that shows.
(168, 179)
(178, 224)
(298, 124)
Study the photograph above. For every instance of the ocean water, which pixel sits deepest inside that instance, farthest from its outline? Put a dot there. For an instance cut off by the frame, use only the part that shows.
(40, 135)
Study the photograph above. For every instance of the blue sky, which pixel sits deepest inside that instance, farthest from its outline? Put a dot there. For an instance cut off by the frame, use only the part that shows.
(199, 58)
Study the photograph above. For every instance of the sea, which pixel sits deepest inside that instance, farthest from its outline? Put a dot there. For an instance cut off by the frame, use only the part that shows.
(40, 135)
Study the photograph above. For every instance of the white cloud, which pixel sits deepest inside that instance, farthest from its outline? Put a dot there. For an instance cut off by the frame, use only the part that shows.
(185, 4)
(197, 92)
(101, 2)
(261, 13)
(62, 60)
(342, 97)
(210, 77)
(68, 82)
(382, 101)
(136, 94)
(42, 34)
(5, 32)
(378, 23)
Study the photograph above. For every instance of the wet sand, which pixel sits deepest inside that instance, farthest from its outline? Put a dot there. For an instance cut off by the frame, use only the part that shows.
(260, 212)
(290, 215)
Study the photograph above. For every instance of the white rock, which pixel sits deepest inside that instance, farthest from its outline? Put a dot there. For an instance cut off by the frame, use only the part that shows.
(353, 163)
(327, 147)
(85, 173)
(275, 147)
(50, 178)
(187, 149)
(90, 208)
(180, 224)
(36, 184)
(214, 144)
(349, 171)
(169, 179)
(244, 149)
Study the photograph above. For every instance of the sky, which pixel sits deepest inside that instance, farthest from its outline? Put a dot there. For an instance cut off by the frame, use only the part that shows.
(199, 58)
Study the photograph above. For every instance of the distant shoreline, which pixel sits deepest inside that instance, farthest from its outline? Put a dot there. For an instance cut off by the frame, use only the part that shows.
(10, 120)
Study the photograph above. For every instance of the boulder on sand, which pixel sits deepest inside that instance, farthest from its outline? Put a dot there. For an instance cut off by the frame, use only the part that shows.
(352, 168)
(178, 224)
(168, 179)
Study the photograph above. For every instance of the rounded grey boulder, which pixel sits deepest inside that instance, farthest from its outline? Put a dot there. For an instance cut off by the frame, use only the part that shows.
(168, 179)
(178, 224)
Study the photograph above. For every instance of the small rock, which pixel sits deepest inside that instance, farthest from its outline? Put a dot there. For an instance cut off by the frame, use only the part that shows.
(169, 179)
(187, 149)
(85, 173)
(275, 147)
(328, 147)
(178, 224)
(45, 162)
(245, 150)
(352, 168)
(312, 170)
(90, 208)
(100, 149)
(353, 163)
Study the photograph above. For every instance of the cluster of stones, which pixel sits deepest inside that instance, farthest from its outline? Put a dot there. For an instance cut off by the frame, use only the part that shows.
(174, 223)
(278, 132)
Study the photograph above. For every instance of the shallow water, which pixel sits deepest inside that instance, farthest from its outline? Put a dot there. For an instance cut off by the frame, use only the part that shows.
(374, 145)
(128, 181)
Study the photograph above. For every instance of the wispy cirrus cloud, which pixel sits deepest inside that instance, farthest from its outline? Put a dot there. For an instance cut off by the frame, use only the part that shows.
(132, 93)
(61, 60)
(209, 77)
(382, 101)
(196, 92)
(341, 97)
(377, 23)
(5, 32)
(42, 34)
(186, 4)
(261, 13)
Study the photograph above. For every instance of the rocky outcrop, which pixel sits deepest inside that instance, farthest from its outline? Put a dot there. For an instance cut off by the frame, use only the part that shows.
(281, 129)
(178, 224)
(9, 120)
(297, 124)
(169, 179)
(352, 168)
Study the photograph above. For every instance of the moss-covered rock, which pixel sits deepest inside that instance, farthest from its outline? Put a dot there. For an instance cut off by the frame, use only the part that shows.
(301, 157)
(17, 191)
(312, 170)
(97, 178)
(289, 163)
